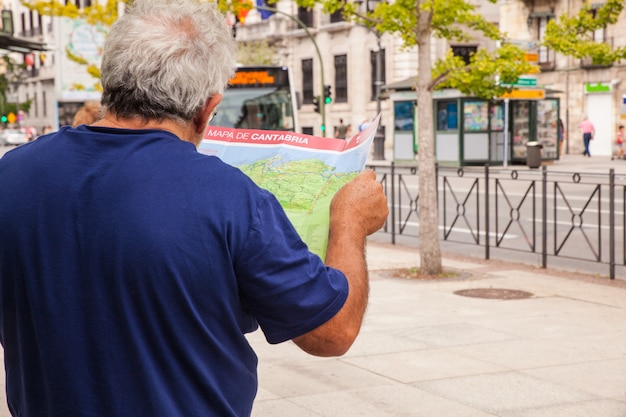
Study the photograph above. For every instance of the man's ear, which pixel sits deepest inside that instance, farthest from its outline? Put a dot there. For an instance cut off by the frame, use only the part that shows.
(204, 115)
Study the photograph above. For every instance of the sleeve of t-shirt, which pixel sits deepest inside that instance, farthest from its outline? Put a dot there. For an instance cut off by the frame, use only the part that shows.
(288, 289)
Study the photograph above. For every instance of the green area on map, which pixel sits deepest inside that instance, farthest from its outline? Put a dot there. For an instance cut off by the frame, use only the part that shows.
(304, 188)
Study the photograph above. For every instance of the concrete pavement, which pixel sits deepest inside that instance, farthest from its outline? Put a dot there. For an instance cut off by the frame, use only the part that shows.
(567, 163)
(426, 351)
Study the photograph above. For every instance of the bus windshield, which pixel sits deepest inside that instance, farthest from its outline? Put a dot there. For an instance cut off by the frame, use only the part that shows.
(258, 98)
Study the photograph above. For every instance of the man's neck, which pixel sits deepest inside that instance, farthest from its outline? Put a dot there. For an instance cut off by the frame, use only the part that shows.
(184, 133)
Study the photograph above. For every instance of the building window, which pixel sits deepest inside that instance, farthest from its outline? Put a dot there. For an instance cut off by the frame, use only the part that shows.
(599, 35)
(464, 52)
(31, 22)
(23, 22)
(546, 57)
(307, 130)
(337, 17)
(307, 81)
(383, 77)
(39, 28)
(306, 16)
(341, 79)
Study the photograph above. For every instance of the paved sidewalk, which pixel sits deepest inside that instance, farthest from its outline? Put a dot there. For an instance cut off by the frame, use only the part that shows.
(567, 163)
(425, 351)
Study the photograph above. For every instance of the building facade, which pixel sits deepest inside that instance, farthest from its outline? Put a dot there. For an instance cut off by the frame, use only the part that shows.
(345, 55)
(584, 89)
(348, 63)
(36, 82)
(322, 49)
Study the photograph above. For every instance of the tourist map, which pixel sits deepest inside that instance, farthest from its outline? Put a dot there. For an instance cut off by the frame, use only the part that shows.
(304, 172)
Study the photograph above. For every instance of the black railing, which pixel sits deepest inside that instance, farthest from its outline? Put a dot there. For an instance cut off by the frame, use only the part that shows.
(574, 218)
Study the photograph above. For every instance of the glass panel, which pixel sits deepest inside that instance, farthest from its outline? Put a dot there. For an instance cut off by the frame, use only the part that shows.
(257, 98)
(403, 115)
(255, 108)
(519, 128)
(447, 115)
(475, 115)
(547, 122)
(497, 116)
(543, 51)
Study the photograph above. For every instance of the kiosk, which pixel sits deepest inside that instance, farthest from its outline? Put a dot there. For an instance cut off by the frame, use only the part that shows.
(475, 131)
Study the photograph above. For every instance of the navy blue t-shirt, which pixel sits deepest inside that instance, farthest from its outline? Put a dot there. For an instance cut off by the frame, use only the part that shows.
(131, 266)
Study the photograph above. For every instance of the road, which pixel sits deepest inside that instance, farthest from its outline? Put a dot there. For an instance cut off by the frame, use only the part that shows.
(577, 223)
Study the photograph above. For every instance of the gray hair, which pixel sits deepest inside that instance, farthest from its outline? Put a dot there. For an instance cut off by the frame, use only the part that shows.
(163, 59)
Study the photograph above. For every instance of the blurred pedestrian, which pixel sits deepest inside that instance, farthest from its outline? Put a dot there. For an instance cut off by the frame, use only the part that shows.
(619, 142)
(348, 133)
(89, 113)
(588, 130)
(340, 131)
(560, 133)
(31, 133)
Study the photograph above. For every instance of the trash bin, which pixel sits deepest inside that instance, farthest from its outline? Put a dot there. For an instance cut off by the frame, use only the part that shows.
(533, 154)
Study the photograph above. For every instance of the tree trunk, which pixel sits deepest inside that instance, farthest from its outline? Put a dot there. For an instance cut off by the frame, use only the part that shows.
(430, 252)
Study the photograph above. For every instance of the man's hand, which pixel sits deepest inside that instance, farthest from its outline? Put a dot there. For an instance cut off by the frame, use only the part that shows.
(361, 203)
(358, 209)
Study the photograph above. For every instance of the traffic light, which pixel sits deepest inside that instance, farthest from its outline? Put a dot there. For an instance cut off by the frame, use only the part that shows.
(327, 98)
(4, 118)
(316, 103)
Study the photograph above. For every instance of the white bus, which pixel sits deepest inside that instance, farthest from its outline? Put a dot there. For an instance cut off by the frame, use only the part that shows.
(259, 97)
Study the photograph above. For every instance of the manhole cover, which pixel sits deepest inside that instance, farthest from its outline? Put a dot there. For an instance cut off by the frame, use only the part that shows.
(494, 293)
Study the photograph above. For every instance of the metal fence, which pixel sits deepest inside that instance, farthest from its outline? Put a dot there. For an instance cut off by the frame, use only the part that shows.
(575, 219)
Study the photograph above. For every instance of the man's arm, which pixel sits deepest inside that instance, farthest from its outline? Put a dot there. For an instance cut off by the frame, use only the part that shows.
(357, 210)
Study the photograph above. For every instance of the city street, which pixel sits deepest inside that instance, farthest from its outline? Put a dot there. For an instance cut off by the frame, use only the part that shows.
(427, 350)
(515, 239)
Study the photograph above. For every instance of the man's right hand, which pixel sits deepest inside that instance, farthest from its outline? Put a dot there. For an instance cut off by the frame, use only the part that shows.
(358, 209)
(360, 203)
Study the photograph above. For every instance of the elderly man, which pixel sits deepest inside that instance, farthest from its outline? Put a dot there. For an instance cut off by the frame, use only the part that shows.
(132, 266)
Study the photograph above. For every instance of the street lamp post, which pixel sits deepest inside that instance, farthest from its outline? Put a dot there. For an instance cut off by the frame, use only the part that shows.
(322, 102)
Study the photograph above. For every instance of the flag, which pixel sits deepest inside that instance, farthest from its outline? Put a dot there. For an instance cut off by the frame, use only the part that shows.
(264, 13)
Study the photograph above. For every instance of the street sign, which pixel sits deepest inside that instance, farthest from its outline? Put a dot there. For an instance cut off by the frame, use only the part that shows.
(597, 88)
(531, 57)
(527, 94)
(526, 81)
